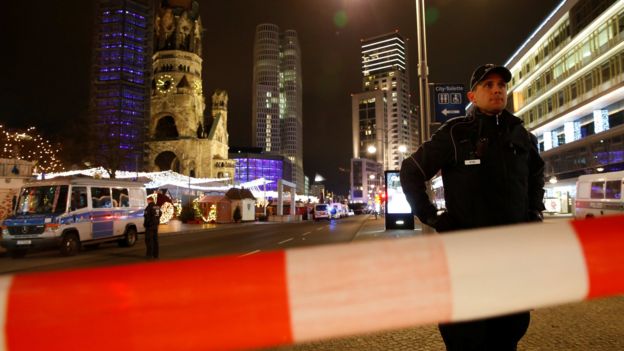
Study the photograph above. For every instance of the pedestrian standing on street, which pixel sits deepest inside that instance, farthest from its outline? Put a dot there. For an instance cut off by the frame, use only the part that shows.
(493, 175)
(151, 220)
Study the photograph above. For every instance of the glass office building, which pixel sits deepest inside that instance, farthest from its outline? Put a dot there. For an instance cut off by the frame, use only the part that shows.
(277, 114)
(252, 164)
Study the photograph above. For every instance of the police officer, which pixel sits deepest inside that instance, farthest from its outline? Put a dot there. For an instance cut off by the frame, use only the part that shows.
(151, 220)
(493, 175)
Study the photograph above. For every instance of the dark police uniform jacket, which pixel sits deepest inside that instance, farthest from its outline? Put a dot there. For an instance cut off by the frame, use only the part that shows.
(151, 216)
(491, 170)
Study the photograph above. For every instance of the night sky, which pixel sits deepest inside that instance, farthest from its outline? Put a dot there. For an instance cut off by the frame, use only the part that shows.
(47, 55)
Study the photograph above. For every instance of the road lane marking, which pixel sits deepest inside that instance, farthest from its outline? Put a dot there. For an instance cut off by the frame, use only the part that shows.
(250, 253)
(306, 233)
(285, 241)
(321, 228)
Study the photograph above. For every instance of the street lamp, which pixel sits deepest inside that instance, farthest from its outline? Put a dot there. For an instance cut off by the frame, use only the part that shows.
(423, 71)
(371, 149)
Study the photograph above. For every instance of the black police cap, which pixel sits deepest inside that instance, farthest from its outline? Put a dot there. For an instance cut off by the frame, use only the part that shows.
(482, 71)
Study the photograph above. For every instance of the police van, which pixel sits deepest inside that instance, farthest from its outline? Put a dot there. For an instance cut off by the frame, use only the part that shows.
(321, 211)
(599, 195)
(68, 212)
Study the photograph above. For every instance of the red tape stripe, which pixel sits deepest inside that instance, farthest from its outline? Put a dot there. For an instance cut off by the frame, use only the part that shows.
(602, 240)
(201, 304)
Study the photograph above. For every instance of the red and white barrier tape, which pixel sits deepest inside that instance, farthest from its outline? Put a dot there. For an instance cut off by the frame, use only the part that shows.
(283, 297)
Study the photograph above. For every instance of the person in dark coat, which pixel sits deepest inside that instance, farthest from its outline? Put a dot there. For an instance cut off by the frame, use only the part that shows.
(151, 220)
(493, 175)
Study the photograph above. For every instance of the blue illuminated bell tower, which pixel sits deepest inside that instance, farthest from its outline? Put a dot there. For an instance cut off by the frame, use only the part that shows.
(121, 81)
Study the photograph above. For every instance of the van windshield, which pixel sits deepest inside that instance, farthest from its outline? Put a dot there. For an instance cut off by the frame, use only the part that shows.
(48, 199)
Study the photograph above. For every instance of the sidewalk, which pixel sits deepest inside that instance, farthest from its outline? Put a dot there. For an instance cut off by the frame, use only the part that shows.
(376, 229)
(558, 215)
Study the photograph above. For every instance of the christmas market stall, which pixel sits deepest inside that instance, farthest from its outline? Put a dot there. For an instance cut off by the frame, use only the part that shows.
(208, 207)
(244, 200)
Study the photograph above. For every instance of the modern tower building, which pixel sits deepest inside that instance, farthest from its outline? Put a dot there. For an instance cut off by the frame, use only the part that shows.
(384, 129)
(568, 87)
(180, 136)
(120, 91)
(277, 119)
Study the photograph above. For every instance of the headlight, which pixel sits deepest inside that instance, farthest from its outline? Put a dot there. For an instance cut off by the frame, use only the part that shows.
(52, 227)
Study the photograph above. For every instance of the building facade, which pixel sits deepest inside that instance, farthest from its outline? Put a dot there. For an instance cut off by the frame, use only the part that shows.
(181, 137)
(366, 180)
(568, 87)
(382, 115)
(277, 117)
(370, 111)
(318, 190)
(120, 91)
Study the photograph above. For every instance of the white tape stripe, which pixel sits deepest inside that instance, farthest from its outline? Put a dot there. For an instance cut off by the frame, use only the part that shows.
(368, 286)
(5, 285)
(514, 268)
(249, 253)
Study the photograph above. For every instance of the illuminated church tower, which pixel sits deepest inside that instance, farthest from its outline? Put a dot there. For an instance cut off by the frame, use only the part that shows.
(180, 137)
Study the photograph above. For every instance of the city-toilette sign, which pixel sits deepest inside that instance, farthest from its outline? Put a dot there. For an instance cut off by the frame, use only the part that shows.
(449, 101)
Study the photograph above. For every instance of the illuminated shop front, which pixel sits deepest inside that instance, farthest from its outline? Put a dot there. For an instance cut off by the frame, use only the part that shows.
(252, 164)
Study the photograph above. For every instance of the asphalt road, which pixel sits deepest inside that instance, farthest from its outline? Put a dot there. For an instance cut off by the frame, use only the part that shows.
(240, 239)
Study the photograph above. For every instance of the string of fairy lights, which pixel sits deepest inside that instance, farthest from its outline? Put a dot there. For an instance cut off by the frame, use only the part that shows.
(30, 146)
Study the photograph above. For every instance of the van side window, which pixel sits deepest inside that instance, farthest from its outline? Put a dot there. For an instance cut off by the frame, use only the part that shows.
(101, 198)
(613, 190)
(78, 198)
(120, 197)
(137, 198)
(597, 190)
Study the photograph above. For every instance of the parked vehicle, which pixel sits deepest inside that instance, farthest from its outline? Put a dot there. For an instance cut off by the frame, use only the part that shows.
(599, 195)
(338, 210)
(321, 211)
(69, 212)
